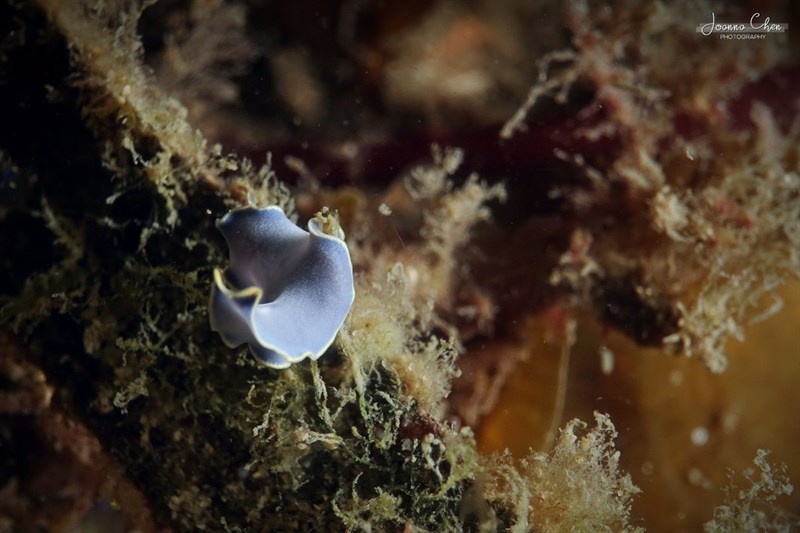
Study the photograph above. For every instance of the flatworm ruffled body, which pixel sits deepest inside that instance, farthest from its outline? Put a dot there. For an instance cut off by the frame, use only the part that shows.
(286, 292)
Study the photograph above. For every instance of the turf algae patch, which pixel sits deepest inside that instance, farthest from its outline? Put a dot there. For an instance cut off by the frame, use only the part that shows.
(118, 201)
(116, 309)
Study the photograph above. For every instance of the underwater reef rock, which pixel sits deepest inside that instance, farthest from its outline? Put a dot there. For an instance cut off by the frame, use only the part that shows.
(607, 173)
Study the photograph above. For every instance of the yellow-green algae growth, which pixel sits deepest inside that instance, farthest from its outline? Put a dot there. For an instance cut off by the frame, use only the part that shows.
(212, 439)
(114, 309)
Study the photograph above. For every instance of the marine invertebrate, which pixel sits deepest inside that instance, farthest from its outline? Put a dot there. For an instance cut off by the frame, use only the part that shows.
(287, 291)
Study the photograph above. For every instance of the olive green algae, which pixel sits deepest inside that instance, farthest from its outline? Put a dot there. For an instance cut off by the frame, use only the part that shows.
(117, 314)
(112, 210)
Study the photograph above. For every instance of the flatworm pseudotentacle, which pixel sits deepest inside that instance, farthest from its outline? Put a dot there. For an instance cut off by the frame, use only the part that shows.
(286, 292)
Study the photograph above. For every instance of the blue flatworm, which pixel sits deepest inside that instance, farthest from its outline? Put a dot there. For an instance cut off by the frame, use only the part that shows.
(286, 292)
